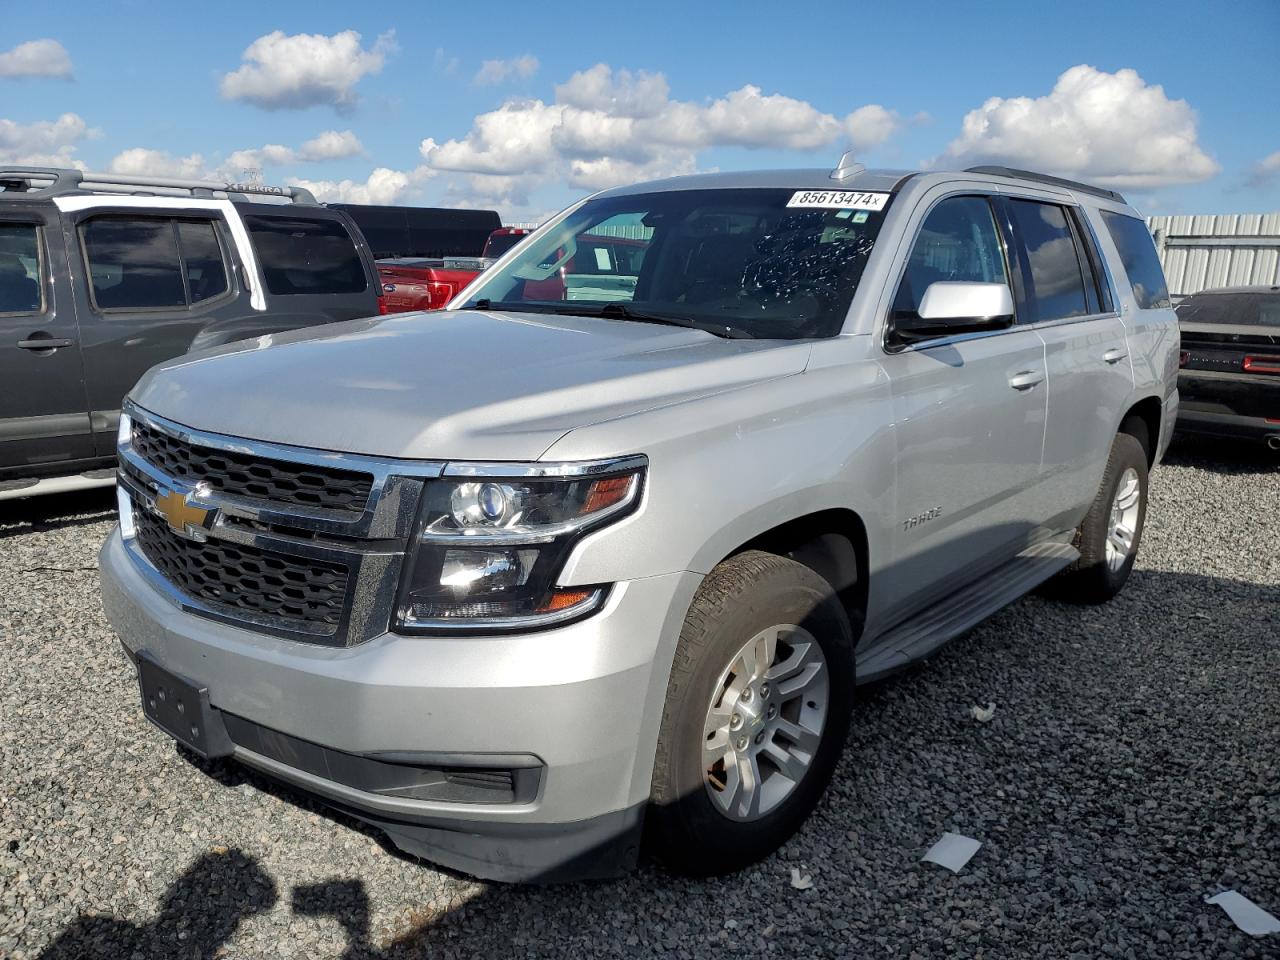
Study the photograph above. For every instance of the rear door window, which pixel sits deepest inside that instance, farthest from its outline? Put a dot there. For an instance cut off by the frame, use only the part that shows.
(1097, 287)
(133, 263)
(1052, 281)
(306, 256)
(150, 263)
(21, 286)
(1141, 263)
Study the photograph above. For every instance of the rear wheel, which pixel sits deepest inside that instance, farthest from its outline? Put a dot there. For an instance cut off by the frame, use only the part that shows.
(1111, 531)
(756, 715)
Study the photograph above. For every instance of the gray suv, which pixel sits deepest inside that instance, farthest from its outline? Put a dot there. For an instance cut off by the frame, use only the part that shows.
(610, 543)
(103, 276)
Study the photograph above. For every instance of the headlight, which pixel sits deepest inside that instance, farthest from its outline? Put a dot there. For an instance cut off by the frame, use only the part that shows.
(492, 539)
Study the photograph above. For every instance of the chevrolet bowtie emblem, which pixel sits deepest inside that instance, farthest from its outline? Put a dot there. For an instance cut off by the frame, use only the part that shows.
(183, 518)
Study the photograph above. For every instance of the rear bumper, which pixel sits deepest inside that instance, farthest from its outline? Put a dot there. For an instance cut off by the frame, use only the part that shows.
(1194, 418)
(582, 703)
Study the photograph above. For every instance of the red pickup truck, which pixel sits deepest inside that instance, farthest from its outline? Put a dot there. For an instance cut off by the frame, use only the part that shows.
(413, 283)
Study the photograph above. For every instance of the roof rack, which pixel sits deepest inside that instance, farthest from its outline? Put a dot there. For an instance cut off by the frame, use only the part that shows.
(1016, 174)
(38, 182)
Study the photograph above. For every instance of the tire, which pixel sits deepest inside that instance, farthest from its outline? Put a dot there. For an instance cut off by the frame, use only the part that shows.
(690, 826)
(1098, 576)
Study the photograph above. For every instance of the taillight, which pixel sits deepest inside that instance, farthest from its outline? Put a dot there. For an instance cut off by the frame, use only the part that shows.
(438, 294)
(1262, 364)
(1184, 357)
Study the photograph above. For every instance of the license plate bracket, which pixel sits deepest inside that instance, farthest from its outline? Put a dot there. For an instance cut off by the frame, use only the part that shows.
(181, 709)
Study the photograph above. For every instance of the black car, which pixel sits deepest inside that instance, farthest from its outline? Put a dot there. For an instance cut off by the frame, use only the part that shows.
(103, 276)
(1229, 383)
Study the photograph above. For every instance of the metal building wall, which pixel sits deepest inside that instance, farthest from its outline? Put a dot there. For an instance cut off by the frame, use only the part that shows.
(1227, 250)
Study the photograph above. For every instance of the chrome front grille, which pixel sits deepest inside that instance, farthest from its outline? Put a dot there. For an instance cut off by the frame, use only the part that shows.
(283, 540)
(242, 474)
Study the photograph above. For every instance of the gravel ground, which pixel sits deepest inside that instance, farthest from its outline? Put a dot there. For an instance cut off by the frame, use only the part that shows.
(1131, 769)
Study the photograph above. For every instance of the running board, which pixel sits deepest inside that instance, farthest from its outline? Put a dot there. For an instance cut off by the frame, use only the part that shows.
(951, 616)
(16, 489)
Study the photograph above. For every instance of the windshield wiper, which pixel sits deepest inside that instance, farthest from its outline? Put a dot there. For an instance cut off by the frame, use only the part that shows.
(615, 311)
(620, 311)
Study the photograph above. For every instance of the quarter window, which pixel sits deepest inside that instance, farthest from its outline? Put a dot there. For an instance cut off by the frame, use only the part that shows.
(1053, 285)
(958, 241)
(202, 255)
(20, 283)
(306, 256)
(1141, 264)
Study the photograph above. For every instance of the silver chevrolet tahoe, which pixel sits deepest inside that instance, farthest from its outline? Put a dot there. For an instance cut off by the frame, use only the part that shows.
(609, 544)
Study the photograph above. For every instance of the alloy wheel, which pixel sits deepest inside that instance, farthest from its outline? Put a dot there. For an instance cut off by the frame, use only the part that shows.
(1122, 528)
(765, 722)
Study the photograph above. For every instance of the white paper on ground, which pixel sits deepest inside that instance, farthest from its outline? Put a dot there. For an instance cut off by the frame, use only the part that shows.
(801, 881)
(953, 851)
(1246, 914)
(983, 714)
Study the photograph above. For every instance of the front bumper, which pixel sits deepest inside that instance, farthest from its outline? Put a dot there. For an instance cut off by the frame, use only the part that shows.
(584, 700)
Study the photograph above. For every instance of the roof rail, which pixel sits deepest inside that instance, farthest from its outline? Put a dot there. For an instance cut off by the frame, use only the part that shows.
(1016, 174)
(32, 182)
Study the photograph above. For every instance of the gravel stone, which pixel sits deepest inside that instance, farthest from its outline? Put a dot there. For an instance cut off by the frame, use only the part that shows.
(1131, 770)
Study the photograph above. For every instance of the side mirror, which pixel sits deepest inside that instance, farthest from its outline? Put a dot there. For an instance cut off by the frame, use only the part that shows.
(952, 307)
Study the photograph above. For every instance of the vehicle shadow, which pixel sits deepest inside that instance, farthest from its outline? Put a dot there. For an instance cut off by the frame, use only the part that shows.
(201, 911)
(1223, 455)
(56, 511)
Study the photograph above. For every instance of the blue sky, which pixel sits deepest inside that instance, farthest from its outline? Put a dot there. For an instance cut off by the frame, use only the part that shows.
(1175, 102)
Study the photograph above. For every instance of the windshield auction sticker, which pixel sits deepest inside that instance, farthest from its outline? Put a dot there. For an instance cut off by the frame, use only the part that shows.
(838, 200)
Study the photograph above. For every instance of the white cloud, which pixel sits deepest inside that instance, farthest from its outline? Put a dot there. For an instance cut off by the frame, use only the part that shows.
(493, 72)
(293, 71)
(1265, 171)
(383, 186)
(44, 143)
(1112, 128)
(748, 118)
(141, 162)
(36, 58)
(621, 93)
(870, 126)
(609, 126)
(329, 145)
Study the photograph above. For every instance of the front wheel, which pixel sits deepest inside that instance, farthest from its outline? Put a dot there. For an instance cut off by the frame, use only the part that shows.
(1111, 531)
(756, 715)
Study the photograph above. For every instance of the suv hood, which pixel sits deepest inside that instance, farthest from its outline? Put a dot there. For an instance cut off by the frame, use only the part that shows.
(452, 385)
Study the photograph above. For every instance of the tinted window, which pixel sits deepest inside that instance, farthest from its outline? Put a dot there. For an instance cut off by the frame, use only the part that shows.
(1096, 286)
(306, 256)
(1052, 282)
(1138, 254)
(206, 272)
(1241, 309)
(497, 246)
(20, 268)
(736, 261)
(133, 263)
(958, 241)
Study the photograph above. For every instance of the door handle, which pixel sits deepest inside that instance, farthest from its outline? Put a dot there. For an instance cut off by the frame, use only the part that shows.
(44, 343)
(1115, 355)
(1026, 379)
